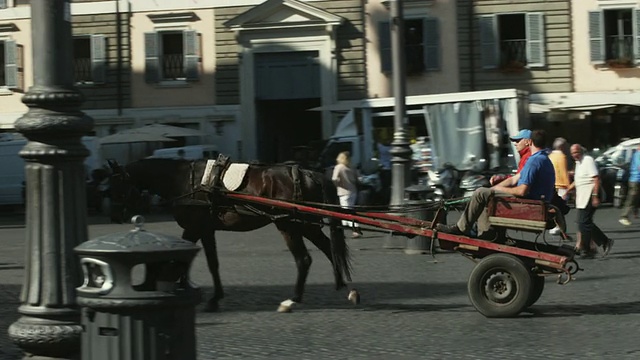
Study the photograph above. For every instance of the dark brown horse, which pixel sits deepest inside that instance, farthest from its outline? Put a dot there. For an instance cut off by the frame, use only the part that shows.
(201, 211)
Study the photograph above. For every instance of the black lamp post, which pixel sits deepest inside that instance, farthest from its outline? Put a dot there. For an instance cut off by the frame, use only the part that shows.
(55, 190)
(400, 149)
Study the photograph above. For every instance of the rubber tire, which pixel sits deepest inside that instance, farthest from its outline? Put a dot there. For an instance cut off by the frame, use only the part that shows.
(503, 270)
(537, 283)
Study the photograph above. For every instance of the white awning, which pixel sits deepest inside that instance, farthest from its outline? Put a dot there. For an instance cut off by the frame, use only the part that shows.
(586, 101)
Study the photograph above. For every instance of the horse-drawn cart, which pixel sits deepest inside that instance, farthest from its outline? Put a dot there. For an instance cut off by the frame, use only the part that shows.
(509, 275)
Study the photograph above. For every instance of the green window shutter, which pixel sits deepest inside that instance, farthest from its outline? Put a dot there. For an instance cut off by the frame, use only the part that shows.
(191, 54)
(636, 36)
(535, 40)
(431, 29)
(488, 42)
(11, 64)
(151, 58)
(385, 46)
(98, 59)
(596, 37)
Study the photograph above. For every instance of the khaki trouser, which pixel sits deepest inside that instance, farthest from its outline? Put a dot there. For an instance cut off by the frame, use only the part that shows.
(476, 210)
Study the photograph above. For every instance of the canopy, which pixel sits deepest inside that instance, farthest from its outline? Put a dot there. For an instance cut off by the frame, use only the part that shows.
(132, 137)
(165, 130)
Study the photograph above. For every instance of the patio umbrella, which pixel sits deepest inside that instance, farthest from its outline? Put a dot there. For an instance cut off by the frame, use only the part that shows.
(165, 130)
(132, 137)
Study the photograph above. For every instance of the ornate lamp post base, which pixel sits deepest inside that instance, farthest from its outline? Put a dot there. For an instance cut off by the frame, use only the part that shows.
(56, 218)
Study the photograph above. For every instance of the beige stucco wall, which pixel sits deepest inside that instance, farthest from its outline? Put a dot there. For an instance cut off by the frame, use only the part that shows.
(200, 92)
(587, 76)
(11, 102)
(432, 82)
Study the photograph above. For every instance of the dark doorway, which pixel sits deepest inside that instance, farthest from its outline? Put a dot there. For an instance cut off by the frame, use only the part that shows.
(284, 124)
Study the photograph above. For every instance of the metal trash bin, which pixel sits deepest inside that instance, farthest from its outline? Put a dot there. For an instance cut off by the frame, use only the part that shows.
(416, 196)
(124, 317)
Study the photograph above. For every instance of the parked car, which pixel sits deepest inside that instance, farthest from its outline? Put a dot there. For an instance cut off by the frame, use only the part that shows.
(613, 166)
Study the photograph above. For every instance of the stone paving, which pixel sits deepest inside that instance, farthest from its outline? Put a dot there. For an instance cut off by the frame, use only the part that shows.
(413, 307)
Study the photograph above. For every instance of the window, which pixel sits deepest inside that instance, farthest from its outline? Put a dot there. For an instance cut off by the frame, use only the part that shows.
(89, 59)
(613, 37)
(4, 4)
(422, 45)
(512, 41)
(172, 56)
(11, 70)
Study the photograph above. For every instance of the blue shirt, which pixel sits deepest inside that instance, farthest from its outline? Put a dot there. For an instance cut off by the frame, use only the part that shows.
(634, 168)
(539, 175)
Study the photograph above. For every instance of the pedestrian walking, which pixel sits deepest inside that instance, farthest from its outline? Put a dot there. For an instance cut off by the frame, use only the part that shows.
(587, 185)
(346, 181)
(633, 189)
(558, 158)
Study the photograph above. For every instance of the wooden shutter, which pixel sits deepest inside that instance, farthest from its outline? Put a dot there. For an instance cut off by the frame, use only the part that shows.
(488, 42)
(535, 40)
(385, 46)
(191, 54)
(11, 64)
(151, 57)
(596, 37)
(98, 59)
(636, 36)
(431, 44)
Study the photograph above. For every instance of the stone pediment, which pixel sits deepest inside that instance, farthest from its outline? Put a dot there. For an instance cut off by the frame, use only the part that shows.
(282, 14)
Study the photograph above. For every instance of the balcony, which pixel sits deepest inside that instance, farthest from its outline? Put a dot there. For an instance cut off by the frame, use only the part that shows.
(513, 55)
(82, 70)
(620, 51)
(173, 67)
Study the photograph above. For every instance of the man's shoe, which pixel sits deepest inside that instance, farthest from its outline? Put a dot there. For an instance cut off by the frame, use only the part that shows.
(606, 248)
(449, 229)
(624, 221)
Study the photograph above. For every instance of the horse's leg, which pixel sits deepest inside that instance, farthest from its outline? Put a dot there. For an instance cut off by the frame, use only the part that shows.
(292, 234)
(321, 241)
(211, 252)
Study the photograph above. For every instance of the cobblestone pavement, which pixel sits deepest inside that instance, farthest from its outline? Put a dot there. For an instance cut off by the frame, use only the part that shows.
(413, 307)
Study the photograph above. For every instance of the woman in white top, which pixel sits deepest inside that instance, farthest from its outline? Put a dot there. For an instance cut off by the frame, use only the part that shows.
(346, 180)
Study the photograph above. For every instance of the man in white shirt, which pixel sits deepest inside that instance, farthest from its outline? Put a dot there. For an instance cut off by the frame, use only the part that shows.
(586, 182)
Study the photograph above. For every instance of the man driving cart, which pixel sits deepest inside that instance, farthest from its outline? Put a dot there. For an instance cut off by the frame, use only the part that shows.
(536, 181)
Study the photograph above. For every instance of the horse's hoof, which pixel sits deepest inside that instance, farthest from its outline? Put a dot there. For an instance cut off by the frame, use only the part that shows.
(354, 297)
(286, 306)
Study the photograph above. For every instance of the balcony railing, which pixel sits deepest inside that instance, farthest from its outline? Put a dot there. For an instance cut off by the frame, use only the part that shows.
(82, 70)
(620, 50)
(513, 53)
(173, 66)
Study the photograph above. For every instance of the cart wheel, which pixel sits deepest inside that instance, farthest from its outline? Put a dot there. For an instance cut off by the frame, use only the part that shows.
(537, 285)
(500, 286)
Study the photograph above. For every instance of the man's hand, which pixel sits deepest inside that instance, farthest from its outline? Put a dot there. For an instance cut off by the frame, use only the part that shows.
(496, 179)
(595, 201)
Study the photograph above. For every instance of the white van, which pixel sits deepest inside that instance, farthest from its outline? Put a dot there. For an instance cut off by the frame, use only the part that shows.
(190, 152)
(12, 176)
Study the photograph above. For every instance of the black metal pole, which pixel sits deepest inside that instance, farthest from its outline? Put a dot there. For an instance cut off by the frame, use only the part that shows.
(55, 190)
(400, 149)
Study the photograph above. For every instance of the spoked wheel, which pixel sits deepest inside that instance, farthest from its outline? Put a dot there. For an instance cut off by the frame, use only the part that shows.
(537, 286)
(500, 286)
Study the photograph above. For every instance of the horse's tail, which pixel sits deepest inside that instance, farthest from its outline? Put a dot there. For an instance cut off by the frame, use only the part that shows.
(339, 249)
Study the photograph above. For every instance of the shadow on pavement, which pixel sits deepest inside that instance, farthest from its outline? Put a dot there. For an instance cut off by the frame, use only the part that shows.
(624, 308)
(373, 296)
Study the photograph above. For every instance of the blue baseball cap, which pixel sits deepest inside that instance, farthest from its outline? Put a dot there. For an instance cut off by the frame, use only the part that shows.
(523, 134)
